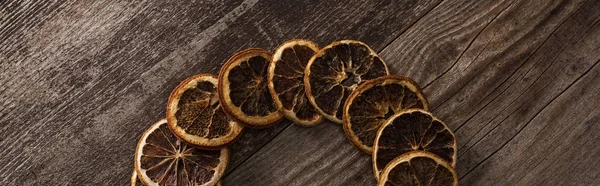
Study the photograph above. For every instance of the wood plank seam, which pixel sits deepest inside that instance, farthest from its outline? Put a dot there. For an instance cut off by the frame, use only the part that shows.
(596, 22)
(589, 28)
(497, 15)
(256, 150)
(410, 26)
(527, 59)
(487, 65)
(469, 46)
(521, 129)
(62, 58)
(290, 124)
(545, 157)
(552, 62)
(586, 29)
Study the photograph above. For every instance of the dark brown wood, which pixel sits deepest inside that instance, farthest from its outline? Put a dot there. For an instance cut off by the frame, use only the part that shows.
(486, 58)
(517, 130)
(361, 173)
(516, 80)
(82, 80)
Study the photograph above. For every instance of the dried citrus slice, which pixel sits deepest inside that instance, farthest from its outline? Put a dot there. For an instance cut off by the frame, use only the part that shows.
(243, 90)
(373, 102)
(135, 181)
(335, 71)
(413, 129)
(161, 159)
(418, 168)
(286, 81)
(196, 117)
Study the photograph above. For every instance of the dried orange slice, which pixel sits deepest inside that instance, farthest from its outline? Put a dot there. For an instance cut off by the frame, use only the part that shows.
(418, 168)
(196, 117)
(373, 102)
(161, 159)
(243, 89)
(413, 129)
(135, 181)
(335, 71)
(286, 81)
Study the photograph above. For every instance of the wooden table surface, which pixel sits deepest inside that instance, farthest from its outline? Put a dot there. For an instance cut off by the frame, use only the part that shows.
(518, 81)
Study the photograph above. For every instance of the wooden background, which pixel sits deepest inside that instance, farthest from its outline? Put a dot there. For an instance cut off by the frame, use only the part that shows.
(517, 80)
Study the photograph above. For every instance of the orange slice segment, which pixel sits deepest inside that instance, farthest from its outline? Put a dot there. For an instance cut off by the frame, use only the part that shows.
(335, 71)
(286, 81)
(413, 129)
(373, 102)
(195, 116)
(243, 90)
(162, 159)
(418, 168)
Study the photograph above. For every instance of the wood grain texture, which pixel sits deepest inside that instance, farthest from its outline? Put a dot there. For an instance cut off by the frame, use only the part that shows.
(82, 80)
(516, 80)
(565, 59)
(323, 169)
(83, 85)
(489, 70)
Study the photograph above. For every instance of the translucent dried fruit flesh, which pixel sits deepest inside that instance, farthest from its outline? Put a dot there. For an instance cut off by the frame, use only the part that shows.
(373, 102)
(195, 115)
(335, 71)
(414, 129)
(243, 88)
(161, 159)
(418, 168)
(286, 81)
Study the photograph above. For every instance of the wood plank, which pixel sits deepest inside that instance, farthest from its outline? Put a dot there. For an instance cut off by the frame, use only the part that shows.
(73, 103)
(543, 96)
(519, 58)
(511, 90)
(82, 81)
(565, 154)
(329, 151)
(270, 24)
(495, 64)
(559, 145)
(364, 21)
